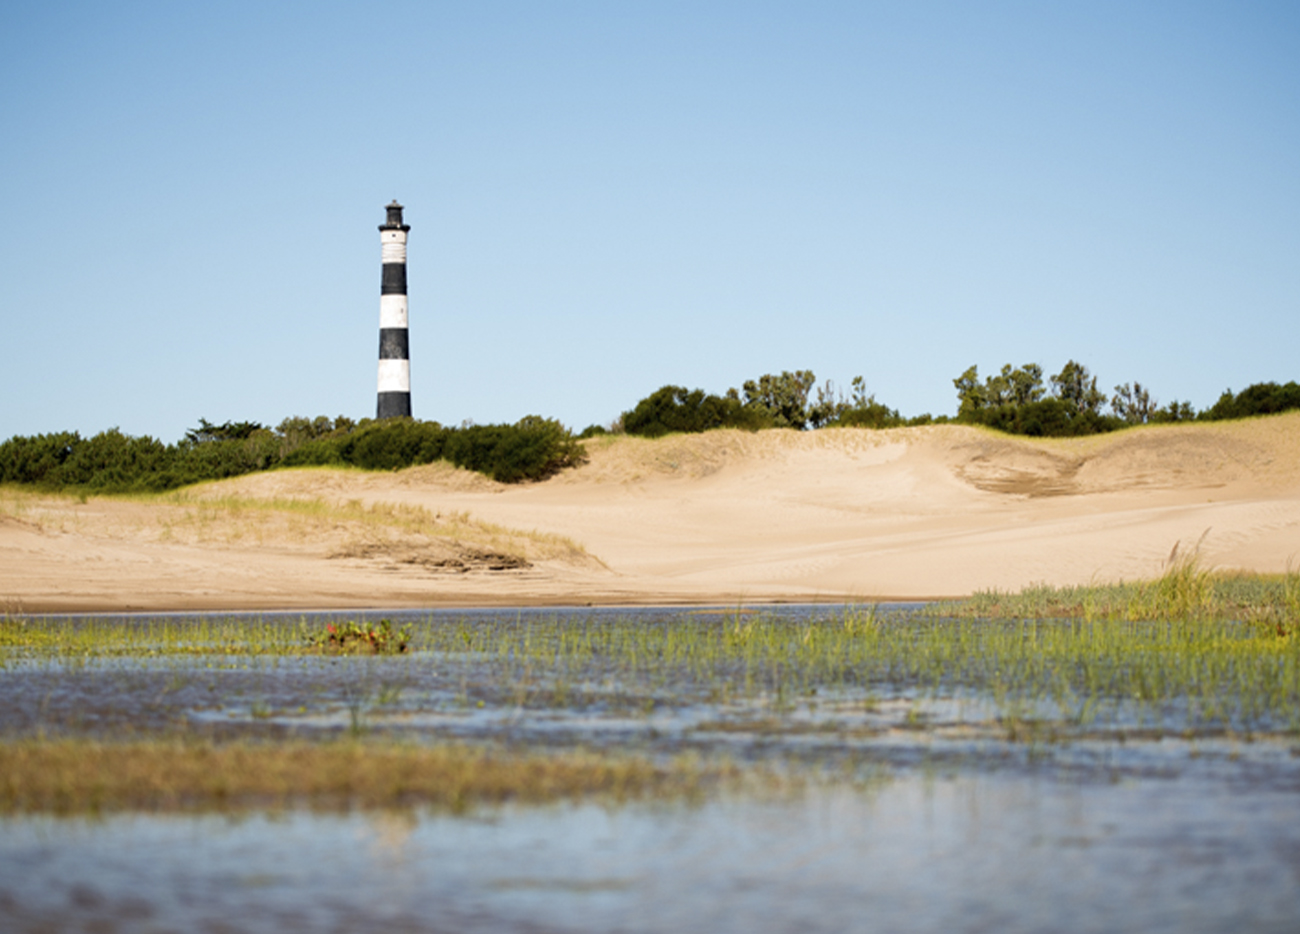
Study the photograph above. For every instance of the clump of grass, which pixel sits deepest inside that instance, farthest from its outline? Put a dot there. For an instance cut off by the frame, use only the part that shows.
(351, 637)
(86, 776)
(1186, 591)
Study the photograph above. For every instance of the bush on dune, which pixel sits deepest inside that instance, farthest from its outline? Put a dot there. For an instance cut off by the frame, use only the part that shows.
(1017, 401)
(112, 462)
(675, 409)
(858, 410)
(1257, 399)
(771, 401)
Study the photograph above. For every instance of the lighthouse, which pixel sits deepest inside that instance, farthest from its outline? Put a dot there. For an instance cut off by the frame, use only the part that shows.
(394, 350)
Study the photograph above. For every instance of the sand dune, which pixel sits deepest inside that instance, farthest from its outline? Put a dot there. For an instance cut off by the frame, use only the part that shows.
(721, 517)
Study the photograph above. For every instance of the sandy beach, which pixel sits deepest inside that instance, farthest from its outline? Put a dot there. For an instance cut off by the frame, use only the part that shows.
(724, 517)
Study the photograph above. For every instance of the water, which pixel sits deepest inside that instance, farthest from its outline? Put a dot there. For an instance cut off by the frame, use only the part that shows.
(919, 814)
(968, 853)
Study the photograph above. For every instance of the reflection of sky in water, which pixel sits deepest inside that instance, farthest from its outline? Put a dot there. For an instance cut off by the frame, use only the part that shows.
(1009, 852)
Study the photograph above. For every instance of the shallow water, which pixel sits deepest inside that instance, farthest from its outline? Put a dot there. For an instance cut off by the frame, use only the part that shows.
(921, 812)
(975, 852)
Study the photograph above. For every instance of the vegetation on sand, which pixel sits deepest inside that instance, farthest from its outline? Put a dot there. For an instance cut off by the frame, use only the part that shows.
(1016, 400)
(771, 401)
(112, 462)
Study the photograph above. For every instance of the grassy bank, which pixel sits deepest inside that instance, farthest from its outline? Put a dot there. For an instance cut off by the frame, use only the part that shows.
(1185, 592)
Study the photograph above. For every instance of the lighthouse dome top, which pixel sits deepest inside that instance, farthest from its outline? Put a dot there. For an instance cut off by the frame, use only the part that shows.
(394, 221)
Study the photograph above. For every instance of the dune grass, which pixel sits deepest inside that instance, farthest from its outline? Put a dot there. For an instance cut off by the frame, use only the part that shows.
(239, 514)
(196, 515)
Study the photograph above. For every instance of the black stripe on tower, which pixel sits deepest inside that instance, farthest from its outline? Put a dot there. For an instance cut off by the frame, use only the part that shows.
(394, 350)
(394, 279)
(393, 344)
(394, 405)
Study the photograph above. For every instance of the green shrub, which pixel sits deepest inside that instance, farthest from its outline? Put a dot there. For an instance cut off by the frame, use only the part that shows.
(677, 409)
(872, 415)
(859, 410)
(1016, 401)
(768, 402)
(109, 461)
(37, 460)
(1257, 399)
(782, 399)
(228, 431)
(532, 449)
(392, 444)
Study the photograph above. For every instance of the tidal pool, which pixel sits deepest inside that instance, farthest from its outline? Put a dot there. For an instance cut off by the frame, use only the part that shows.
(926, 802)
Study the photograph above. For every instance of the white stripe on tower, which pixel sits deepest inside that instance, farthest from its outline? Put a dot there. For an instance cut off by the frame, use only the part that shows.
(394, 349)
(392, 311)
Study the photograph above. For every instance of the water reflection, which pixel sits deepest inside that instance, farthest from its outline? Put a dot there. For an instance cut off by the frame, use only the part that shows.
(1005, 852)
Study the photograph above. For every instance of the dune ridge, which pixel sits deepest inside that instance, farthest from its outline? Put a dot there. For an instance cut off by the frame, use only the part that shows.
(722, 517)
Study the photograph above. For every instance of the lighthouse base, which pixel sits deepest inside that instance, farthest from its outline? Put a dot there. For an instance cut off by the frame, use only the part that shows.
(394, 405)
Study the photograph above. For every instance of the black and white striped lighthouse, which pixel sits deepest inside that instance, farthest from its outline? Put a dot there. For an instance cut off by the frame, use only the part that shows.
(394, 351)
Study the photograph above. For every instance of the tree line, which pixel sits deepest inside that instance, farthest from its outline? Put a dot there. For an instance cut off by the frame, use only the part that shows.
(1016, 400)
(771, 401)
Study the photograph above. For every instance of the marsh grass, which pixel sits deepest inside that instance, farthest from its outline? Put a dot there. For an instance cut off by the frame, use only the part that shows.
(1185, 592)
(1177, 672)
(1186, 673)
(1189, 652)
(73, 637)
(86, 776)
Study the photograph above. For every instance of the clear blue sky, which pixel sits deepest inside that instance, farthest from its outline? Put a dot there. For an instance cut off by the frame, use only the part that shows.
(608, 197)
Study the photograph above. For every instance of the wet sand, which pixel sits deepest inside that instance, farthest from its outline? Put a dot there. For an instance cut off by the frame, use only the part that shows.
(725, 517)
